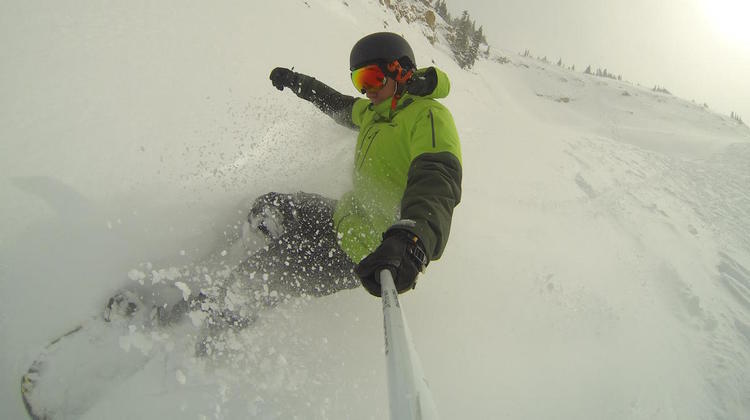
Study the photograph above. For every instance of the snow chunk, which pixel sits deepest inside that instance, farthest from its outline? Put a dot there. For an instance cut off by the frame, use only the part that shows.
(197, 318)
(171, 274)
(184, 288)
(136, 275)
(180, 377)
(234, 300)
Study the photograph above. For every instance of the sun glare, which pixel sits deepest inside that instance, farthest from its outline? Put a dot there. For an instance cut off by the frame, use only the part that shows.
(731, 18)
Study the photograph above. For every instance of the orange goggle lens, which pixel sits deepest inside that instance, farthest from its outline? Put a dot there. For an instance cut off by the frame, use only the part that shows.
(368, 78)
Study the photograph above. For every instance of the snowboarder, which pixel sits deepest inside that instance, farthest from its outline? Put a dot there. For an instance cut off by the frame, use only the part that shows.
(407, 181)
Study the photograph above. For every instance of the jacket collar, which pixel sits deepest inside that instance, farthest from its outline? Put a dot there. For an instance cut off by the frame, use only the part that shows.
(442, 89)
(383, 110)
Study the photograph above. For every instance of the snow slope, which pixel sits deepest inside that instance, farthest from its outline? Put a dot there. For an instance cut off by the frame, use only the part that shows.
(598, 265)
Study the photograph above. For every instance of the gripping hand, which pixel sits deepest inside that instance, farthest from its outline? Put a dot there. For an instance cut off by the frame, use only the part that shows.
(402, 253)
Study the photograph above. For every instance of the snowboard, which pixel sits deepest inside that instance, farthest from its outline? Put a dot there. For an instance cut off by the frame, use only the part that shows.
(167, 320)
(82, 365)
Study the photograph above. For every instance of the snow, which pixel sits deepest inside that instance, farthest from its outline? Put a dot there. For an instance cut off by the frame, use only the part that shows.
(197, 317)
(598, 266)
(184, 288)
(180, 376)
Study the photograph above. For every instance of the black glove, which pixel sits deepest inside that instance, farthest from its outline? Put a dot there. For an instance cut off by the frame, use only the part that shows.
(281, 77)
(402, 253)
(423, 82)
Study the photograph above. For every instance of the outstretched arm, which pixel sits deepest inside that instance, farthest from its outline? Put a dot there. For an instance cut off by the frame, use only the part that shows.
(330, 101)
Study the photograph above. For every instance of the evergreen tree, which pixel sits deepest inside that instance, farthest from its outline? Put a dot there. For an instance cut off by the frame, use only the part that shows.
(462, 41)
(477, 39)
(480, 35)
(442, 10)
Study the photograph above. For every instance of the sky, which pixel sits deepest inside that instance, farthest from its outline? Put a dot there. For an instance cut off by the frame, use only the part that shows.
(697, 49)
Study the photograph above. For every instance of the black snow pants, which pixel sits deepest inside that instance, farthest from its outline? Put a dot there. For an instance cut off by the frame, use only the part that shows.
(303, 256)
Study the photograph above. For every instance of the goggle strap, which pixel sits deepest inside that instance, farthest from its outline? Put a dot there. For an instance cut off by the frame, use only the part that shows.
(401, 76)
(398, 73)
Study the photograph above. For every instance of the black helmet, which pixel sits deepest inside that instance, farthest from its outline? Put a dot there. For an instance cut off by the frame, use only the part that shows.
(382, 47)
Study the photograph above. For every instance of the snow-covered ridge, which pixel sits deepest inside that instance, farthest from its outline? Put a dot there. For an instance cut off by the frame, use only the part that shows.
(438, 31)
(597, 268)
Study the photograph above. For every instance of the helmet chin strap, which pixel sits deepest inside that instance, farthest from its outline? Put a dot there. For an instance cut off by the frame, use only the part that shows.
(396, 96)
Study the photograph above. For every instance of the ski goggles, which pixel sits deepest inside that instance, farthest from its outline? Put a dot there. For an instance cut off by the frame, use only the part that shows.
(369, 78)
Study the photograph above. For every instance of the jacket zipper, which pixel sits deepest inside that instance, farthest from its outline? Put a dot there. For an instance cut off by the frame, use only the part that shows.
(432, 124)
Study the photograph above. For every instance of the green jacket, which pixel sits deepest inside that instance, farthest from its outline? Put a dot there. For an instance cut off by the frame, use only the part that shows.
(407, 167)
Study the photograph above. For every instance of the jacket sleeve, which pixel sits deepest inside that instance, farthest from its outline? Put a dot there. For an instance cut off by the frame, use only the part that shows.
(336, 105)
(433, 190)
(433, 186)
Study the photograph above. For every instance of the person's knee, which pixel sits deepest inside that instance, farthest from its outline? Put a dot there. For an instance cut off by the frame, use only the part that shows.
(268, 214)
